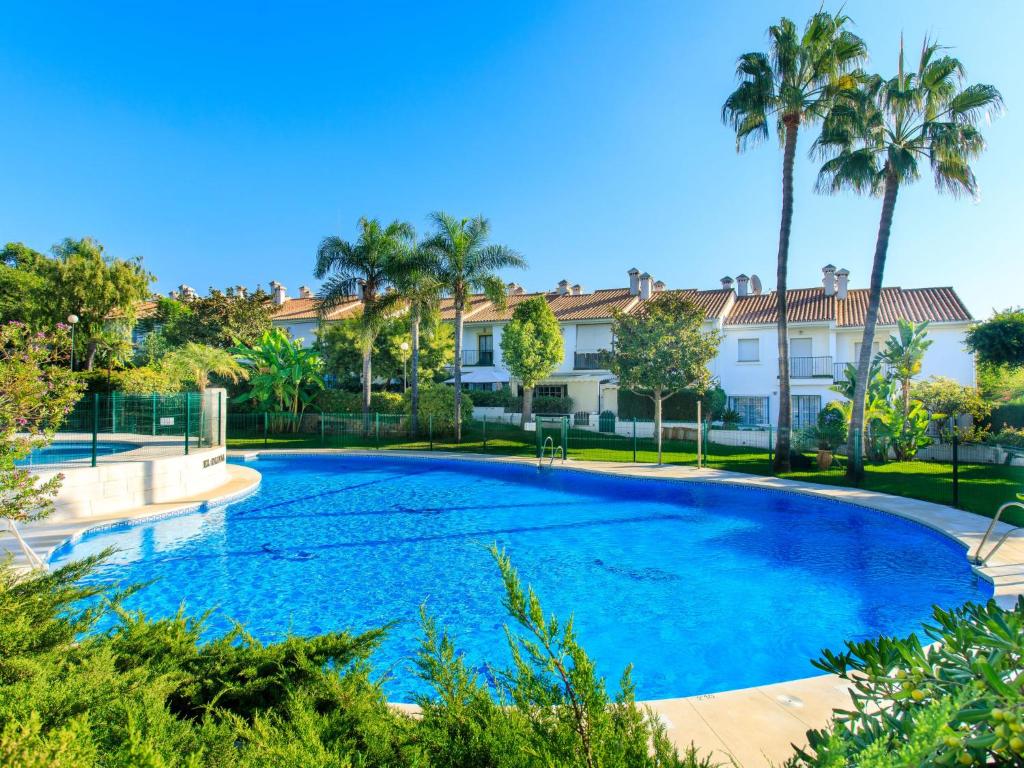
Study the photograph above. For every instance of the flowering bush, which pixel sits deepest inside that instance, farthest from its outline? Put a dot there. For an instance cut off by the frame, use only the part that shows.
(36, 393)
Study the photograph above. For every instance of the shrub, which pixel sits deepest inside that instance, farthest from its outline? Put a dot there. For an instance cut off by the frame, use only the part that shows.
(956, 700)
(1008, 436)
(155, 693)
(832, 426)
(542, 406)
(437, 403)
(496, 398)
(1012, 415)
(343, 401)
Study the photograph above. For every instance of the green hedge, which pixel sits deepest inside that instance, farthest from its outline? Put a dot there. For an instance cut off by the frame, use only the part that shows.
(498, 398)
(542, 406)
(343, 401)
(681, 407)
(1012, 415)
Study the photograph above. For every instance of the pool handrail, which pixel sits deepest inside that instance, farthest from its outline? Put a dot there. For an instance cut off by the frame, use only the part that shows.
(977, 558)
(34, 561)
(540, 459)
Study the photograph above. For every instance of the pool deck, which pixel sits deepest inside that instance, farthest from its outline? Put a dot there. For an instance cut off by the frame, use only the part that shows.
(752, 727)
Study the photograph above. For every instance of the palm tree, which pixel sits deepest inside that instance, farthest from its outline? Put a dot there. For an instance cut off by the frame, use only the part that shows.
(466, 264)
(369, 265)
(874, 138)
(419, 286)
(195, 363)
(794, 83)
(904, 354)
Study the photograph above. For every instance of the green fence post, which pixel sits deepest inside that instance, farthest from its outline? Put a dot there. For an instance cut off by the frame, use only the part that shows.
(771, 447)
(322, 434)
(95, 424)
(154, 414)
(188, 417)
(266, 428)
(376, 427)
(540, 436)
(956, 465)
(430, 430)
(565, 437)
(220, 416)
(485, 434)
(113, 411)
(634, 439)
(202, 420)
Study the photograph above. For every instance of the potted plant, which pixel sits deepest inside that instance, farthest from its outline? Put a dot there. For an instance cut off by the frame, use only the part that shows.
(829, 434)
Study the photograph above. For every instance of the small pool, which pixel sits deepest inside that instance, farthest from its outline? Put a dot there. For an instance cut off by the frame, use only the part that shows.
(74, 452)
(703, 587)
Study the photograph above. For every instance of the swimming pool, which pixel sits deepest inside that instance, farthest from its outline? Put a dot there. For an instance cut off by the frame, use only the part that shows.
(703, 587)
(76, 452)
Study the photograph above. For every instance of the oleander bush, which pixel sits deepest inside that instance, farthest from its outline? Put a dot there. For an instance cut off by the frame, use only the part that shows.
(159, 693)
(956, 700)
(343, 401)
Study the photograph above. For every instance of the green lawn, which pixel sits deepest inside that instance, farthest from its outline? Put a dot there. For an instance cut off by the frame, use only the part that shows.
(983, 487)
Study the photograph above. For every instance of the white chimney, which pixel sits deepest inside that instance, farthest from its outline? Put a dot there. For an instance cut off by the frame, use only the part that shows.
(828, 279)
(742, 284)
(174, 295)
(279, 292)
(727, 283)
(563, 287)
(659, 286)
(576, 290)
(304, 292)
(646, 286)
(843, 280)
(634, 281)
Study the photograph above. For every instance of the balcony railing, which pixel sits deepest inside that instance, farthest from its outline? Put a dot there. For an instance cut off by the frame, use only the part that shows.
(810, 368)
(478, 357)
(839, 373)
(592, 361)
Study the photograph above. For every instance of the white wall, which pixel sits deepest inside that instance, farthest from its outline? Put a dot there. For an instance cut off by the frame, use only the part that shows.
(300, 329)
(116, 486)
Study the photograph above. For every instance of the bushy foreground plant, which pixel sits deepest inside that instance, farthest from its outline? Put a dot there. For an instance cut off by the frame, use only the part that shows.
(153, 693)
(958, 701)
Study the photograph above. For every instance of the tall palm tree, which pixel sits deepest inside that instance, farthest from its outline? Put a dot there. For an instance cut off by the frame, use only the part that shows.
(467, 264)
(370, 265)
(904, 355)
(874, 139)
(794, 84)
(195, 363)
(419, 285)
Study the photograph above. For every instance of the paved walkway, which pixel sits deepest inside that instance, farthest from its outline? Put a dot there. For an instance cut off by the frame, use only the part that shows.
(753, 727)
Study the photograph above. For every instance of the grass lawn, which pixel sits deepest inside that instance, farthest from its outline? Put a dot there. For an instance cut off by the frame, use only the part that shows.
(983, 487)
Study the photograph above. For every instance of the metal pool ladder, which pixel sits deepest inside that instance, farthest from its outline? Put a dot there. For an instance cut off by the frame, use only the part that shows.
(978, 559)
(34, 561)
(549, 441)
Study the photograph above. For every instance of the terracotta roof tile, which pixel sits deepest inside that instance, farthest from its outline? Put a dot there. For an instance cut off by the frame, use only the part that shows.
(812, 305)
(714, 303)
(474, 305)
(307, 309)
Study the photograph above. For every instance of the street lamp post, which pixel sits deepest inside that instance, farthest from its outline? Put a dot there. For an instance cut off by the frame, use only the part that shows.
(72, 321)
(405, 365)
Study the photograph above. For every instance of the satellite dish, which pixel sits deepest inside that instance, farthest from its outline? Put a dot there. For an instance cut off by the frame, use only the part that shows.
(755, 284)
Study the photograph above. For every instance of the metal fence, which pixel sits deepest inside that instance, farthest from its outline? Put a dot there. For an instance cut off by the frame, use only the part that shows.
(975, 477)
(117, 427)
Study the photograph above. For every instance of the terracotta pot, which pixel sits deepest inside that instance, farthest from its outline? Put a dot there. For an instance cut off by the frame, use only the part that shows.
(824, 459)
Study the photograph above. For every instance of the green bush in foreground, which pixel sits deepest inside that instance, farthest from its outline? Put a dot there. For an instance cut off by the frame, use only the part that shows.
(959, 701)
(151, 693)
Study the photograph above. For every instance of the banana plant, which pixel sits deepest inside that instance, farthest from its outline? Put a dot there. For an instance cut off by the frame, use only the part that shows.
(283, 375)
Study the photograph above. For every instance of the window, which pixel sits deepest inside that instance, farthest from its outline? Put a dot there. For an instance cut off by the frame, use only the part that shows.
(805, 410)
(477, 387)
(749, 350)
(752, 410)
(857, 347)
(800, 347)
(549, 390)
(485, 349)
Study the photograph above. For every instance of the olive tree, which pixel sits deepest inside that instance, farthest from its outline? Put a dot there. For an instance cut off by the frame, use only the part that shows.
(532, 346)
(662, 349)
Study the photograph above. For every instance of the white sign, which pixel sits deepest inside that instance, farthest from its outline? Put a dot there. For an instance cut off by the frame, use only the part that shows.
(166, 421)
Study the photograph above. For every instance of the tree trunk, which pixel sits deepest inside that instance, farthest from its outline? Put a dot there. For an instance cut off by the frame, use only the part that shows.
(367, 384)
(458, 374)
(657, 420)
(527, 404)
(782, 442)
(855, 465)
(414, 396)
(90, 355)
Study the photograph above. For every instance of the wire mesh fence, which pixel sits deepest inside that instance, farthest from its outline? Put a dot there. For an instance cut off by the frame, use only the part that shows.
(975, 477)
(119, 427)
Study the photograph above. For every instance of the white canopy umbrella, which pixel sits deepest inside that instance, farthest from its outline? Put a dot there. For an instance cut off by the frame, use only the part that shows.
(489, 376)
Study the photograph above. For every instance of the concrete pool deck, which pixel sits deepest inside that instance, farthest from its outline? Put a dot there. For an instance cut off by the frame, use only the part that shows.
(752, 727)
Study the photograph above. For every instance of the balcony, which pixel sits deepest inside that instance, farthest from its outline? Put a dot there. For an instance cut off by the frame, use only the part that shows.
(478, 357)
(592, 361)
(840, 370)
(811, 368)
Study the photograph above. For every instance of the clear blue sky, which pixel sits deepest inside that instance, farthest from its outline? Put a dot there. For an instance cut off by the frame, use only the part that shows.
(221, 143)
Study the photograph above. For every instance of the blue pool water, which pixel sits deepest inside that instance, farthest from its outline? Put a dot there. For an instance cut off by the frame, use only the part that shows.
(74, 451)
(703, 587)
